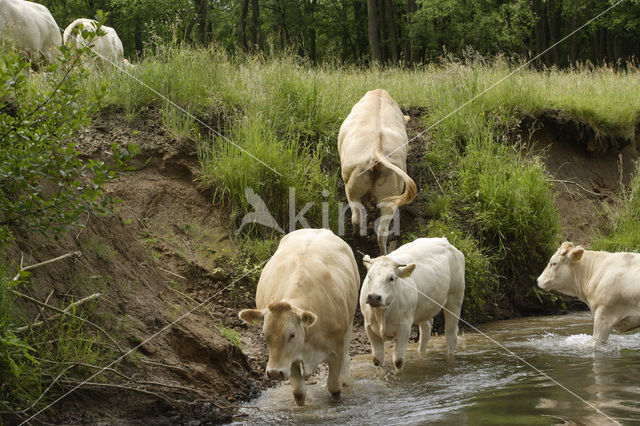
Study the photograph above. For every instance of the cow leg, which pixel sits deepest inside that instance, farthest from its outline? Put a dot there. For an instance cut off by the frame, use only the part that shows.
(346, 378)
(425, 333)
(451, 317)
(298, 384)
(334, 381)
(602, 326)
(377, 345)
(402, 340)
(387, 210)
(355, 191)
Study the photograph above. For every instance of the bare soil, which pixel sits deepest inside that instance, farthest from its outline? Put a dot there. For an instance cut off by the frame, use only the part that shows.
(169, 250)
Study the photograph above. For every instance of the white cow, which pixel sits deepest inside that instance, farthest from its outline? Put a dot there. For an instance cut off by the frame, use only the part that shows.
(107, 47)
(410, 286)
(30, 27)
(609, 283)
(306, 299)
(372, 144)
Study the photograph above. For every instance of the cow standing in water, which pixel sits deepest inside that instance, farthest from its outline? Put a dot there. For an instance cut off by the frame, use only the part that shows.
(373, 144)
(410, 286)
(306, 299)
(609, 283)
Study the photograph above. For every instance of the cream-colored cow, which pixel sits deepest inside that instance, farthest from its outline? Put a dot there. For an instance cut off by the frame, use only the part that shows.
(30, 27)
(372, 144)
(608, 282)
(306, 299)
(107, 47)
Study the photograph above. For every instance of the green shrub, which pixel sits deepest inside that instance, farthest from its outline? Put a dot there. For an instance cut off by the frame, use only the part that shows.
(624, 234)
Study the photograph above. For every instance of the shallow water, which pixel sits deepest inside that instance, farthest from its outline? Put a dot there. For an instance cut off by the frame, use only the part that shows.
(483, 383)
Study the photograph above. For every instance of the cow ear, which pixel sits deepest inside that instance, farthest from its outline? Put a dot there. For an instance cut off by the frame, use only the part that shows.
(251, 316)
(576, 254)
(406, 119)
(565, 248)
(307, 318)
(405, 271)
(366, 261)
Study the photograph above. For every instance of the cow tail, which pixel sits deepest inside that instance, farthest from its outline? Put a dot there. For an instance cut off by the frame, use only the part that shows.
(410, 188)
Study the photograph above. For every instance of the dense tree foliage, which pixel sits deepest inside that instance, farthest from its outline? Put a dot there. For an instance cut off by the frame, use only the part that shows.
(385, 31)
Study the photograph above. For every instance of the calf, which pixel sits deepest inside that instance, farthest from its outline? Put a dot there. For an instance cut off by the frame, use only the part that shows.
(372, 144)
(609, 283)
(31, 28)
(410, 286)
(306, 299)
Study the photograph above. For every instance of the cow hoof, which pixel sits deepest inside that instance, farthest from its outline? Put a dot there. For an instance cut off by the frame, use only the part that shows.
(299, 397)
(377, 362)
(399, 363)
(335, 395)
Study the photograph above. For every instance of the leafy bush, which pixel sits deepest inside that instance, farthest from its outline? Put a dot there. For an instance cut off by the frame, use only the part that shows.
(45, 186)
(624, 233)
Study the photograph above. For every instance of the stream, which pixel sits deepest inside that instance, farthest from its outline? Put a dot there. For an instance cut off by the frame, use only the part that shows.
(483, 383)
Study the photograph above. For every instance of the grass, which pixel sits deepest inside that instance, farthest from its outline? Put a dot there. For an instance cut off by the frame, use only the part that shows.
(233, 336)
(495, 199)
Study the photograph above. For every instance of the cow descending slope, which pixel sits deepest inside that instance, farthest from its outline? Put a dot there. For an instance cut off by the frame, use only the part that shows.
(30, 27)
(306, 299)
(372, 144)
(608, 282)
(410, 286)
(107, 47)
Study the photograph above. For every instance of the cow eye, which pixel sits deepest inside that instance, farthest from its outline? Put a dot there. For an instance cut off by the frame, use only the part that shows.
(391, 279)
(291, 336)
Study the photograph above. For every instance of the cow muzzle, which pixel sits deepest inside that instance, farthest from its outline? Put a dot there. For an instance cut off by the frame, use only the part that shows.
(374, 300)
(275, 374)
(541, 283)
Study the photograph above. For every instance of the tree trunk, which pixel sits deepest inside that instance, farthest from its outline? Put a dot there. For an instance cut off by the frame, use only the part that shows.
(391, 30)
(553, 30)
(202, 9)
(410, 49)
(243, 25)
(384, 54)
(361, 37)
(312, 31)
(540, 33)
(573, 55)
(255, 25)
(374, 41)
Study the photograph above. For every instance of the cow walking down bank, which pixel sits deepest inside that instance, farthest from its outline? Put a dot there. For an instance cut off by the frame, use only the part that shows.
(372, 144)
(410, 286)
(306, 299)
(30, 27)
(609, 283)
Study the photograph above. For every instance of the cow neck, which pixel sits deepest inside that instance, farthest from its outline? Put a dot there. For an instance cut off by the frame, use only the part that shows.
(582, 271)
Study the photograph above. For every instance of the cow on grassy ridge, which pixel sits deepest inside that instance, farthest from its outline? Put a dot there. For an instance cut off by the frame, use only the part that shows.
(107, 47)
(410, 286)
(372, 144)
(306, 299)
(30, 27)
(609, 283)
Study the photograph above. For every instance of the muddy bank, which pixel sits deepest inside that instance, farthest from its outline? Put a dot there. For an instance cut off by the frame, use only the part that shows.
(168, 250)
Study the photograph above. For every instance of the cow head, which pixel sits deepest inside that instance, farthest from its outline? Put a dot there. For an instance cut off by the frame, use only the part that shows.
(284, 327)
(383, 274)
(558, 275)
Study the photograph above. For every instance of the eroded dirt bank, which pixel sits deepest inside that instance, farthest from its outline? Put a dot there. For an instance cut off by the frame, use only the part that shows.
(168, 250)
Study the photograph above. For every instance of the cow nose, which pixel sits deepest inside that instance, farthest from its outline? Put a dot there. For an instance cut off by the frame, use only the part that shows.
(275, 374)
(374, 299)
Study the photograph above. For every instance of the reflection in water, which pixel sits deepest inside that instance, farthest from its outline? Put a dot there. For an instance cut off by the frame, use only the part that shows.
(482, 384)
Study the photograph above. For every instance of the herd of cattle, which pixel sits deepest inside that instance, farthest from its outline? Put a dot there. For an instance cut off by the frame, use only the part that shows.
(31, 29)
(308, 291)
